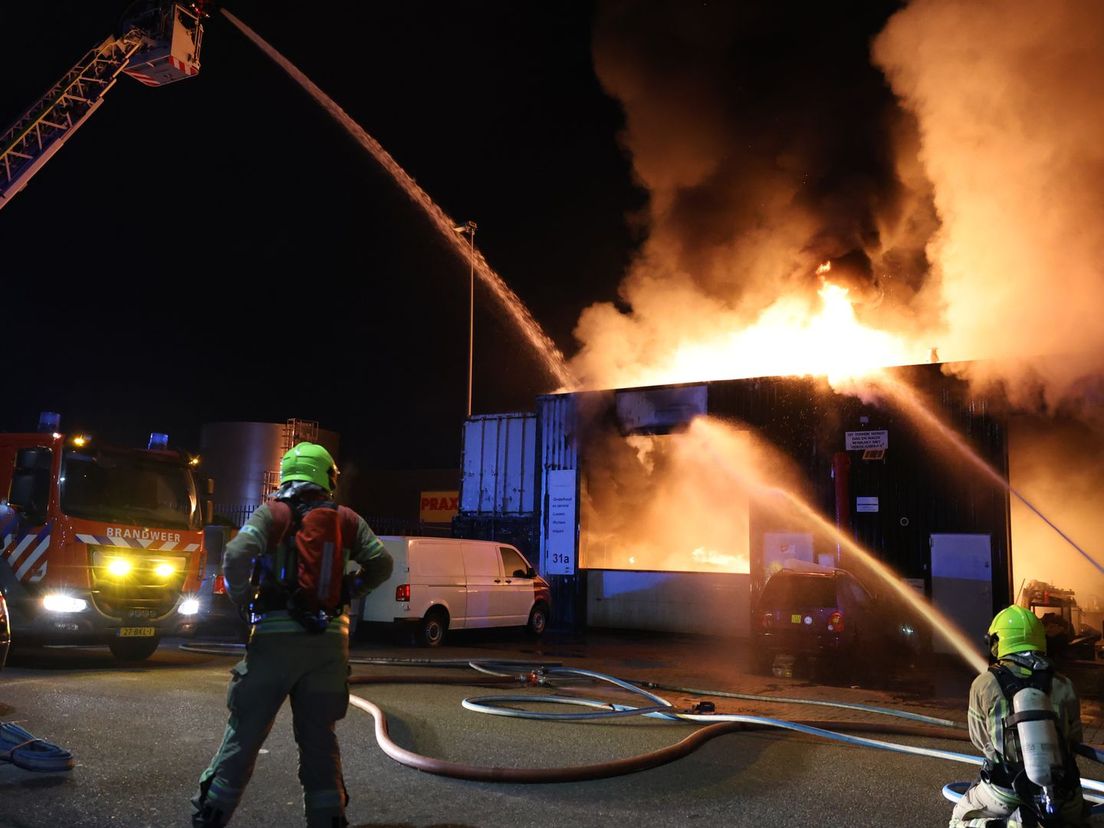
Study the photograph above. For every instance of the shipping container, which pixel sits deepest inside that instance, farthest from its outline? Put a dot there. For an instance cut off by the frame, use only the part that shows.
(498, 465)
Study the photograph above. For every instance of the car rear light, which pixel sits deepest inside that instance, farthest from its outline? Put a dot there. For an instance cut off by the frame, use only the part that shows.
(767, 620)
(219, 586)
(402, 592)
(835, 621)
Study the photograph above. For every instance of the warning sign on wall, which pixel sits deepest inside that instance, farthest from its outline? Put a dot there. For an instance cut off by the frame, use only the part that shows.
(861, 440)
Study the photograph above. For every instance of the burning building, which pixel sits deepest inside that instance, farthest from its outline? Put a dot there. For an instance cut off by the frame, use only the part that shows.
(667, 507)
(824, 201)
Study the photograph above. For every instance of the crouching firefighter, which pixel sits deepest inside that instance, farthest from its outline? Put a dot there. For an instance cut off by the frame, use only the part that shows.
(1026, 720)
(287, 566)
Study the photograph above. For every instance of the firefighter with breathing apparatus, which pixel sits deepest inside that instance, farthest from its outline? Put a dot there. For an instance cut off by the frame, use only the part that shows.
(288, 567)
(1026, 720)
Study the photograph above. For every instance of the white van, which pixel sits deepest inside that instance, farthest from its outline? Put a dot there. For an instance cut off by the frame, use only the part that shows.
(440, 584)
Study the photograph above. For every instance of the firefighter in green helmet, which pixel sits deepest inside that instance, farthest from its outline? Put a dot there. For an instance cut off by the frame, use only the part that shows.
(1025, 718)
(287, 568)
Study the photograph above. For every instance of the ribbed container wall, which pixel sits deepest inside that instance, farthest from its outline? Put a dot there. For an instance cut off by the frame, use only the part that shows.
(498, 465)
(557, 420)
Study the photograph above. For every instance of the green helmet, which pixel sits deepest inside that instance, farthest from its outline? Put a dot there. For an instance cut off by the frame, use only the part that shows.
(310, 462)
(1016, 630)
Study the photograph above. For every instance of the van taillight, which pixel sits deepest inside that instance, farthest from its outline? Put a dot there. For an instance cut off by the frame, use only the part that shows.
(402, 592)
(835, 621)
(767, 621)
(219, 586)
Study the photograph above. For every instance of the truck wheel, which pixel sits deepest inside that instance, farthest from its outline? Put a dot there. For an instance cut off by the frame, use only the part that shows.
(538, 620)
(133, 649)
(432, 630)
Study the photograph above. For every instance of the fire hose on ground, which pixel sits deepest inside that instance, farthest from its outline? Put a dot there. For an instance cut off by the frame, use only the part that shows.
(657, 707)
(19, 747)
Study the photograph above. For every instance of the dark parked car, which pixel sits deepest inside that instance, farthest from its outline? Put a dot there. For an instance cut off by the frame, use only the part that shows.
(828, 621)
(5, 630)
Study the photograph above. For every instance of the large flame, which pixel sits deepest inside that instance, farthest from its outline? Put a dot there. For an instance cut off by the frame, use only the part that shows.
(794, 336)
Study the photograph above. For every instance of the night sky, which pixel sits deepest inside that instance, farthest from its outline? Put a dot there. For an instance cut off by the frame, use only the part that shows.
(220, 249)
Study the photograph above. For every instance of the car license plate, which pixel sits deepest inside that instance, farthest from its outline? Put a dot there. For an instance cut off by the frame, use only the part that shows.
(795, 619)
(137, 632)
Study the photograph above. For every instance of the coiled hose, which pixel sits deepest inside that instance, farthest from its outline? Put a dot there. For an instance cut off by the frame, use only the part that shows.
(24, 750)
(529, 673)
(716, 725)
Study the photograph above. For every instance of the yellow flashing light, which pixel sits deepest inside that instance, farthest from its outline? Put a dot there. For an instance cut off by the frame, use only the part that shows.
(193, 461)
(119, 567)
(164, 570)
(81, 440)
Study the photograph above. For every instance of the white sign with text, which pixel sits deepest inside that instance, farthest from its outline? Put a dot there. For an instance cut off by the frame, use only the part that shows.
(859, 440)
(560, 541)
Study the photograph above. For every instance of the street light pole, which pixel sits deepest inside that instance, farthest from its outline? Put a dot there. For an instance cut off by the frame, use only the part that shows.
(468, 230)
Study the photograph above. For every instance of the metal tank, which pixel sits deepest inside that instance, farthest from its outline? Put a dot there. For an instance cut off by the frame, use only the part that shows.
(243, 458)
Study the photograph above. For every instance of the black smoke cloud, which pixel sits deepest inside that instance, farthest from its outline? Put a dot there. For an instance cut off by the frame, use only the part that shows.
(768, 144)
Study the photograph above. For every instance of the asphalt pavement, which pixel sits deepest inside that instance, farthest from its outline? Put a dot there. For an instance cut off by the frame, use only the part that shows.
(142, 734)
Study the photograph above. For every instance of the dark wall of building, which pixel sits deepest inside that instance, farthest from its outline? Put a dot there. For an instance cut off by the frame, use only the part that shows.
(922, 486)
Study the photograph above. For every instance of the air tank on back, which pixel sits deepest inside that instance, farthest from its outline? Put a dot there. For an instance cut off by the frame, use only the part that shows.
(243, 458)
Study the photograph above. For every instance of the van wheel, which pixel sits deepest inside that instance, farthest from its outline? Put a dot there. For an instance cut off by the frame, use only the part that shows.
(133, 649)
(432, 630)
(538, 620)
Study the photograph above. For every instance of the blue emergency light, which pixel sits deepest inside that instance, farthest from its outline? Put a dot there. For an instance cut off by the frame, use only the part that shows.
(158, 441)
(49, 422)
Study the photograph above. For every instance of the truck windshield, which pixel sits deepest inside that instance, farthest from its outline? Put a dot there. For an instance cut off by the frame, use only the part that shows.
(125, 487)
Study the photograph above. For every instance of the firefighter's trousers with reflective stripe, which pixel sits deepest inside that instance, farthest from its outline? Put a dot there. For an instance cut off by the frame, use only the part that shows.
(313, 670)
(984, 802)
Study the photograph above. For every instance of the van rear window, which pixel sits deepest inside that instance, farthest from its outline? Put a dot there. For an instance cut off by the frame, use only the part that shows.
(785, 590)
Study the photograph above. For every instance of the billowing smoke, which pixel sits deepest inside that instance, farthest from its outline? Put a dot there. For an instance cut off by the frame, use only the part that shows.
(655, 503)
(1007, 98)
(1059, 466)
(766, 148)
(944, 157)
(1007, 101)
(681, 501)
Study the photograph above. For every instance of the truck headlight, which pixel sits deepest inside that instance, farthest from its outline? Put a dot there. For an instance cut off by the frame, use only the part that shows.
(189, 606)
(119, 567)
(58, 602)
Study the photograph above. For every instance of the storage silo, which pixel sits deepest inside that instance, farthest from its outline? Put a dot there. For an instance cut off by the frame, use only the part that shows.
(243, 458)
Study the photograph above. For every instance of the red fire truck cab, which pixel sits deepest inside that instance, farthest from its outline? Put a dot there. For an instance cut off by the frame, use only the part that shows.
(98, 544)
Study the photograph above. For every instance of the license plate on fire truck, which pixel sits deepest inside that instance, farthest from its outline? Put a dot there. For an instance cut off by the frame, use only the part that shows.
(137, 632)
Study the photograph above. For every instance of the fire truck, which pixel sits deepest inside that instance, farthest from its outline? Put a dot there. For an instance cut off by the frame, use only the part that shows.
(157, 43)
(99, 544)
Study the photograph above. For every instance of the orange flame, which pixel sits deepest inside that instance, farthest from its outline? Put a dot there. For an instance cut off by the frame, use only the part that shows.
(789, 339)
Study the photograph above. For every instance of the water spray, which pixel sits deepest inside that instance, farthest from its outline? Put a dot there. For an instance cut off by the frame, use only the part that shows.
(546, 349)
(907, 399)
(713, 434)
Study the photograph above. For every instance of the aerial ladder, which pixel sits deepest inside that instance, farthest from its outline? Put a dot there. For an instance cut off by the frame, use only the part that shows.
(159, 43)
